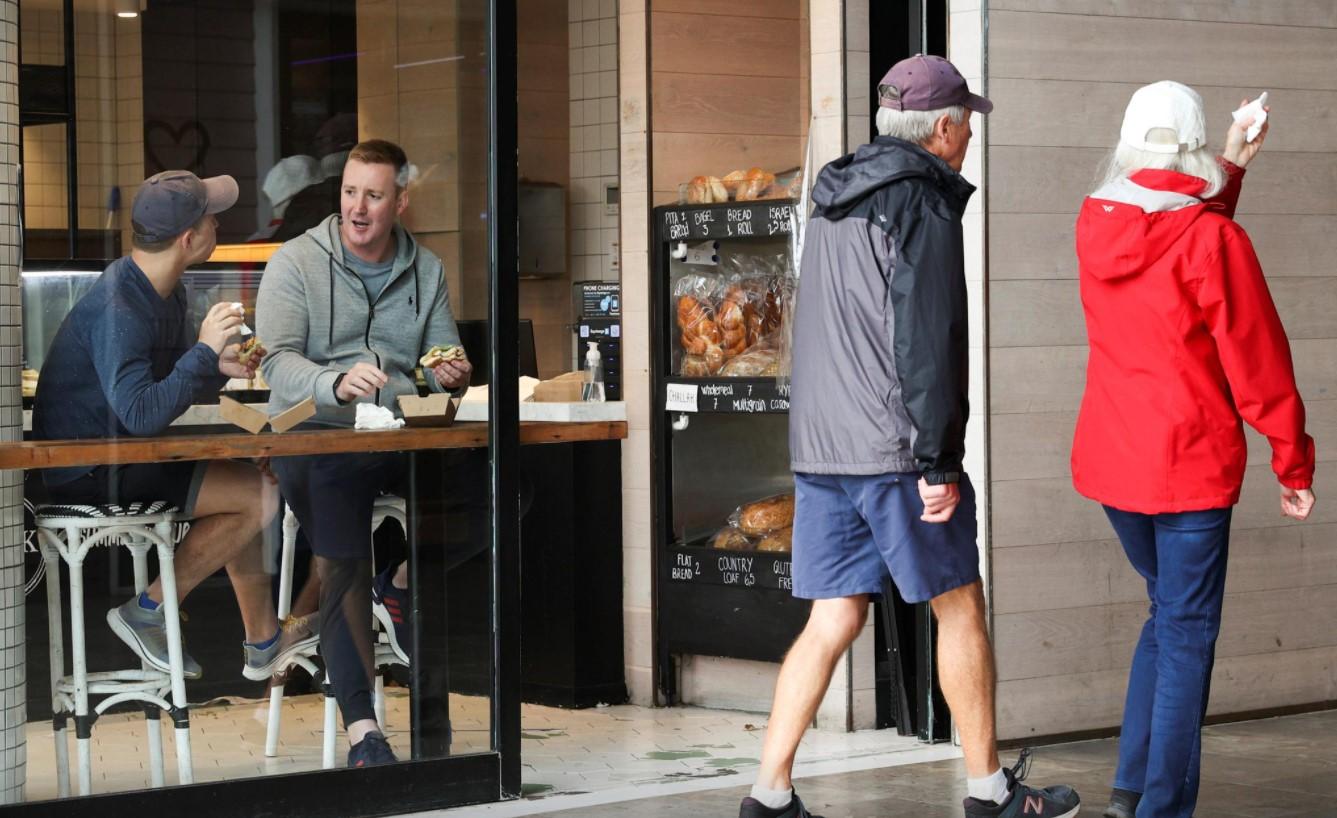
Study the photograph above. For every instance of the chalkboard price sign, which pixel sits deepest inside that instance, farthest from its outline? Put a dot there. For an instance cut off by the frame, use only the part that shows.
(726, 221)
(732, 395)
(741, 569)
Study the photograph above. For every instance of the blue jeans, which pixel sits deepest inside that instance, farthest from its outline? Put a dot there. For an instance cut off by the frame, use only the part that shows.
(1182, 557)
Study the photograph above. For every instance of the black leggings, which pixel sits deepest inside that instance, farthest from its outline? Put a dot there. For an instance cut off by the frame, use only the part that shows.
(332, 497)
(345, 634)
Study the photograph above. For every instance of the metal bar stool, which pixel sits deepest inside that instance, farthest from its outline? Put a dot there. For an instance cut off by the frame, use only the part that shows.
(69, 532)
(386, 507)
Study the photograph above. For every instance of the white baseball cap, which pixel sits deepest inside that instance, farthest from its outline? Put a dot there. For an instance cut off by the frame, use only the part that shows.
(1165, 105)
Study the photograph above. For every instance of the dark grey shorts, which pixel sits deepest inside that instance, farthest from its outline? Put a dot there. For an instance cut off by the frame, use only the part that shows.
(177, 483)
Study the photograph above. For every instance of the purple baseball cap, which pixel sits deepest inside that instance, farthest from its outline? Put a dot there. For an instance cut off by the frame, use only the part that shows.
(927, 83)
(170, 203)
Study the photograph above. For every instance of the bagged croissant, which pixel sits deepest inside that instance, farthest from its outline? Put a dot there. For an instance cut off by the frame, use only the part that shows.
(764, 516)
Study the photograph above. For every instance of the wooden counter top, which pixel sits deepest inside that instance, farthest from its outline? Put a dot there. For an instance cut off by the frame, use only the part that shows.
(41, 454)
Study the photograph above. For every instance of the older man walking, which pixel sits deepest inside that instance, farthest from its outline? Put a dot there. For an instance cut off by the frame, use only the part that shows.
(877, 430)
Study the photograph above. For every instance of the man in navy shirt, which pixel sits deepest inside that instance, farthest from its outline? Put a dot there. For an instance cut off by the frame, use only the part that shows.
(126, 362)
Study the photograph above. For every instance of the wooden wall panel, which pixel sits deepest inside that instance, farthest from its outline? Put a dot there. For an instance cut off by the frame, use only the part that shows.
(724, 46)
(1040, 245)
(1091, 701)
(1037, 445)
(1083, 114)
(1310, 13)
(1074, 47)
(1051, 379)
(689, 103)
(1035, 512)
(723, 81)
(1030, 179)
(780, 9)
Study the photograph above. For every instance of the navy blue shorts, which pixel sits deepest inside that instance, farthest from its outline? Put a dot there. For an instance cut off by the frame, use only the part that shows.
(852, 531)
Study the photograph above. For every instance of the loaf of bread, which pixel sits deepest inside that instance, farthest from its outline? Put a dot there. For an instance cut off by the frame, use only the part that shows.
(732, 321)
(731, 539)
(693, 366)
(765, 516)
(697, 322)
(781, 540)
(758, 362)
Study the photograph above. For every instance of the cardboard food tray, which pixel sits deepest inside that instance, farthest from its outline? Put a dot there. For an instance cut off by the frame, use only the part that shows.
(254, 421)
(433, 410)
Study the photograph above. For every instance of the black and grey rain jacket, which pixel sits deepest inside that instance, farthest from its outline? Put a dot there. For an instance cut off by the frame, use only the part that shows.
(880, 332)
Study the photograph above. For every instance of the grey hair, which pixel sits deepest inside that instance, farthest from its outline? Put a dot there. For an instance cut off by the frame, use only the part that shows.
(916, 126)
(1125, 160)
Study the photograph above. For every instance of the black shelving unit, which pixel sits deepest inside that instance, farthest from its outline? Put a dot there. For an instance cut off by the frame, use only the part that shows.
(720, 441)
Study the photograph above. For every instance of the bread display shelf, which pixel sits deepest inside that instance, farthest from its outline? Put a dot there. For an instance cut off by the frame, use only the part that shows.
(700, 564)
(744, 396)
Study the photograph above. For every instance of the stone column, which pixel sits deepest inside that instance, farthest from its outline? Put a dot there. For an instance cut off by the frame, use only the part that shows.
(13, 699)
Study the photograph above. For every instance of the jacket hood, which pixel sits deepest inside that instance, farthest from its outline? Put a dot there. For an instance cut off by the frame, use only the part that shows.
(1130, 224)
(326, 234)
(846, 181)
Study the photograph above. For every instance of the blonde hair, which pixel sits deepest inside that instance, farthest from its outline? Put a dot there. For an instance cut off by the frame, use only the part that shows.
(1125, 160)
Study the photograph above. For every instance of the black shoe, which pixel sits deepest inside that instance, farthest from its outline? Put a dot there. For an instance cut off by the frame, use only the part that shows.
(1024, 801)
(1123, 804)
(752, 808)
(373, 749)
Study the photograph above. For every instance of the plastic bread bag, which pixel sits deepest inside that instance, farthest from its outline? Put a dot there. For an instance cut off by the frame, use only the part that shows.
(699, 334)
(759, 518)
(731, 539)
(782, 539)
(762, 360)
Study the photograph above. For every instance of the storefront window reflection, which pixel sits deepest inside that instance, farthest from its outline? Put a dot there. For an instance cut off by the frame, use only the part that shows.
(359, 582)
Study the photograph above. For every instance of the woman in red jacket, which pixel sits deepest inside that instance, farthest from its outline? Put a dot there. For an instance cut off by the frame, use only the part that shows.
(1184, 344)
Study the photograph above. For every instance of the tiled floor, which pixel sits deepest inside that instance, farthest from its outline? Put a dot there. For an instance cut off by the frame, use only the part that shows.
(228, 741)
(1272, 768)
(570, 756)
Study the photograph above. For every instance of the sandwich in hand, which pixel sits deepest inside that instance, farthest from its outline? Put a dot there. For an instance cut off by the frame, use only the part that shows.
(438, 355)
(248, 349)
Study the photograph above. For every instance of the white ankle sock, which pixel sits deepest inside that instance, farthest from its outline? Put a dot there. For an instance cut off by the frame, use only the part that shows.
(990, 788)
(775, 799)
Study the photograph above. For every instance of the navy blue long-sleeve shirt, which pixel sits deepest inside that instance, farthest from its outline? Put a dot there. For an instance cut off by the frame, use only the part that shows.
(124, 363)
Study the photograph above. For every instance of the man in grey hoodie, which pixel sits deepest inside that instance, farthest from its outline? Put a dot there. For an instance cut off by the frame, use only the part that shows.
(346, 310)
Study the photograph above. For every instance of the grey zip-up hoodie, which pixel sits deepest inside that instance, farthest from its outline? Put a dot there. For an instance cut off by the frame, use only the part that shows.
(316, 320)
(880, 349)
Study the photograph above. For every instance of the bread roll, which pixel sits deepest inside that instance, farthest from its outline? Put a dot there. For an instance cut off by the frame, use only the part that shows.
(718, 192)
(781, 540)
(698, 191)
(765, 516)
(732, 181)
(731, 539)
(755, 185)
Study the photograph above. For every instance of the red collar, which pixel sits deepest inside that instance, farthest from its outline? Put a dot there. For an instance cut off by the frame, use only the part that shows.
(1170, 181)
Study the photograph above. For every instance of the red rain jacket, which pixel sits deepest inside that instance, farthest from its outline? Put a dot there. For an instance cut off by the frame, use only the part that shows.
(1184, 341)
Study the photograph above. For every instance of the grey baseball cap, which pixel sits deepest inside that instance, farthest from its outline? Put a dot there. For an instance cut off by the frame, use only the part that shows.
(927, 83)
(170, 203)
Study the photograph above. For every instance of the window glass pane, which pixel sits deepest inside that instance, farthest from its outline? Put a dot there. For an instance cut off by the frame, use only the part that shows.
(275, 94)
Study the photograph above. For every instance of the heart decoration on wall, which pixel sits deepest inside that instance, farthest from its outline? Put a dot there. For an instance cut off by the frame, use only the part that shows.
(175, 148)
